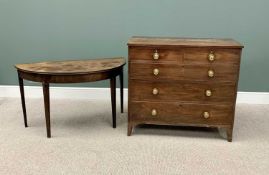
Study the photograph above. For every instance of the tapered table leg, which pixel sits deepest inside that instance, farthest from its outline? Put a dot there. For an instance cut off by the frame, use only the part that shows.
(121, 90)
(47, 107)
(113, 99)
(23, 101)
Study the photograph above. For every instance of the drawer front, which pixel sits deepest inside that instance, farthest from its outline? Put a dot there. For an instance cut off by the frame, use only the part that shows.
(210, 73)
(176, 113)
(158, 91)
(225, 73)
(155, 54)
(156, 71)
(212, 56)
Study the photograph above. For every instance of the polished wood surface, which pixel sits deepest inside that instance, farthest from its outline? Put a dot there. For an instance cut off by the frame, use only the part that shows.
(177, 113)
(71, 72)
(184, 42)
(222, 56)
(72, 67)
(145, 54)
(195, 83)
(183, 72)
(227, 73)
(171, 91)
(145, 71)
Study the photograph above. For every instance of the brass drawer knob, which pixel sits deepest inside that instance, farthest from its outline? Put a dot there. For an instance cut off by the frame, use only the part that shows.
(208, 93)
(211, 56)
(156, 55)
(210, 73)
(155, 91)
(154, 112)
(156, 71)
(206, 115)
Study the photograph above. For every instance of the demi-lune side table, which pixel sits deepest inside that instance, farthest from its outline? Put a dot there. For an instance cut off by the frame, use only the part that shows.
(75, 71)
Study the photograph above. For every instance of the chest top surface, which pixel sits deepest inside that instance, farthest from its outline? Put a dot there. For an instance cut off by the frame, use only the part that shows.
(183, 42)
(72, 66)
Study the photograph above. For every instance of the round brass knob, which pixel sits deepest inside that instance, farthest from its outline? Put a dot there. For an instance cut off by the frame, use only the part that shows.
(211, 56)
(208, 93)
(156, 71)
(156, 55)
(210, 73)
(154, 112)
(155, 91)
(206, 115)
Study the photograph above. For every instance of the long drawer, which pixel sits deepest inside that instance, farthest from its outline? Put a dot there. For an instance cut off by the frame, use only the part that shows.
(226, 73)
(183, 113)
(198, 92)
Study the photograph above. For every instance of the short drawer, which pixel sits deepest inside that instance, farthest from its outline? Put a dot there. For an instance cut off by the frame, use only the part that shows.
(173, 91)
(212, 56)
(212, 73)
(178, 113)
(155, 71)
(155, 54)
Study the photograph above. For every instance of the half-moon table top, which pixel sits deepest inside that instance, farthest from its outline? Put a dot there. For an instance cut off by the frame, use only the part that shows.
(71, 67)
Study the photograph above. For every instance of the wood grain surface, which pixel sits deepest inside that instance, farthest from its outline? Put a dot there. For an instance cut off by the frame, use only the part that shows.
(72, 66)
(78, 71)
(182, 82)
(184, 92)
(176, 113)
(146, 54)
(184, 42)
(225, 73)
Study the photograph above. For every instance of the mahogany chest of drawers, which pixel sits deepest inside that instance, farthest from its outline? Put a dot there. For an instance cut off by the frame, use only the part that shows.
(180, 81)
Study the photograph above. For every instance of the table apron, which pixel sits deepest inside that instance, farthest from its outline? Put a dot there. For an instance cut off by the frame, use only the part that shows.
(70, 78)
